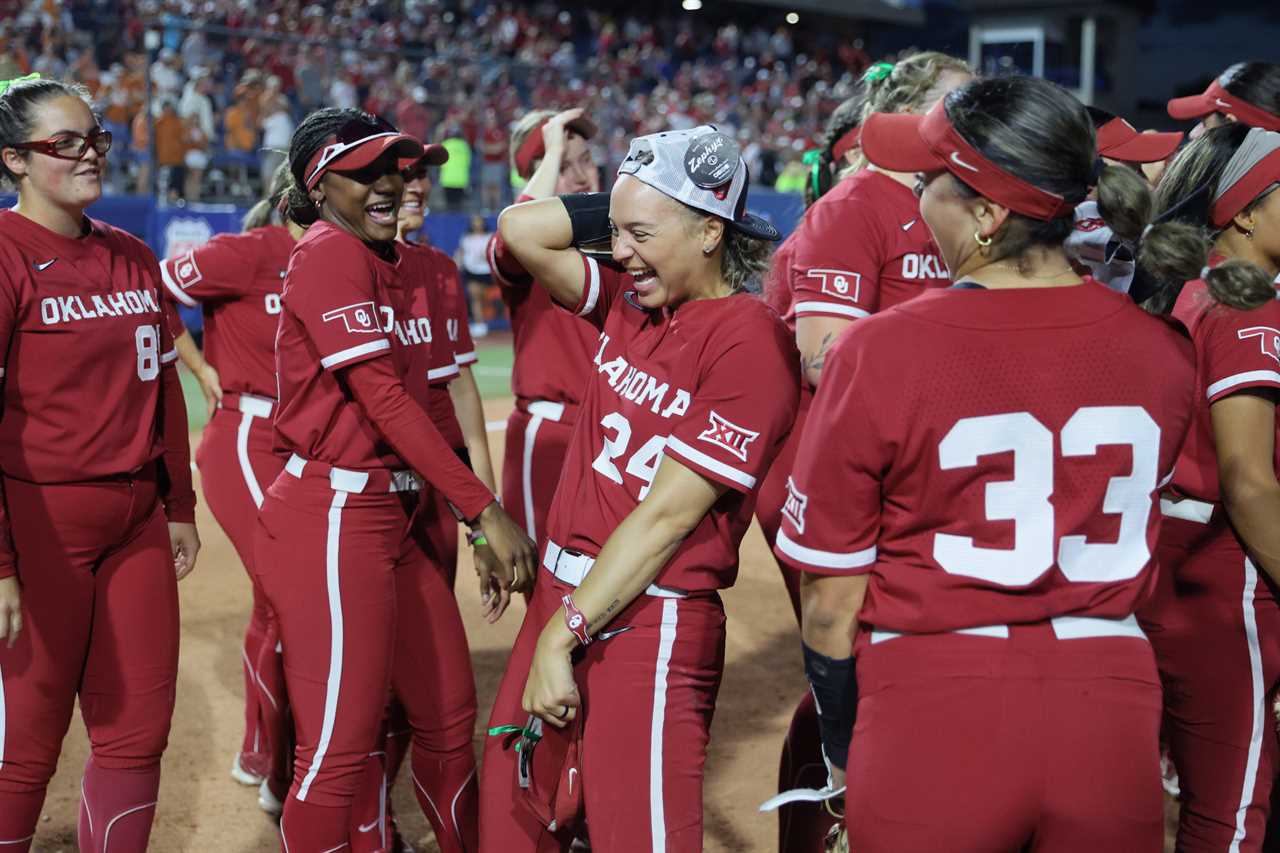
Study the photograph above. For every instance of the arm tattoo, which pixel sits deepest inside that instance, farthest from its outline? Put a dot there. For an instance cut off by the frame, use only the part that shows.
(813, 364)
(605, 616)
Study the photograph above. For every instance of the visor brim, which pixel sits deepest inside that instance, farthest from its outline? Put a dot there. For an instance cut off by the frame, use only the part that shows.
(756, 227)
(1191, 107)
(1144, 148)
(406, 149)
(892, 141)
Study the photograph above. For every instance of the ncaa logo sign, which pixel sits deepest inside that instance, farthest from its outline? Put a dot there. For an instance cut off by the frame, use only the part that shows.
(793, 507)
(729, 436)
(842, 284)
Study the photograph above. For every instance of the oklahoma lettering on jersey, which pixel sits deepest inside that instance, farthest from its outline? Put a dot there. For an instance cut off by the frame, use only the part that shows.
(861, 248)
(672, 384)
(83, 341)
(236, 279)
(977, 453)
(1235, 351)
(340, 304)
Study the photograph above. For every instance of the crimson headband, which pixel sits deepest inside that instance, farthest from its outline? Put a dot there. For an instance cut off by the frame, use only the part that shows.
(1265, 173)
(904, 142)
(533, 148)
(1216, 99)
(846, 143)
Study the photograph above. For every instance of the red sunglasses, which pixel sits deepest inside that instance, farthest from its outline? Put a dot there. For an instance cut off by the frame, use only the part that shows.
(70, 145)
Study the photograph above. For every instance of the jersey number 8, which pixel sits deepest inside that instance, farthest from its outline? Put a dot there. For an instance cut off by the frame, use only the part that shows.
(1026, 499)
(147, 340)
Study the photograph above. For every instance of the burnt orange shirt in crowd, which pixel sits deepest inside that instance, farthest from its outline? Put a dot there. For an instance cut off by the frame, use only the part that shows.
(242, 127)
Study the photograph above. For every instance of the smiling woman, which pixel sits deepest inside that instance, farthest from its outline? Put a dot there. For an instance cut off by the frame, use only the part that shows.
(97, 513)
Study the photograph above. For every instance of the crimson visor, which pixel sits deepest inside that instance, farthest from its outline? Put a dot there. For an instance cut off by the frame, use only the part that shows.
(1119, 140)
(533, 148)
(348, 153)
(1216, 99)
(904, 142)
(1254, 182)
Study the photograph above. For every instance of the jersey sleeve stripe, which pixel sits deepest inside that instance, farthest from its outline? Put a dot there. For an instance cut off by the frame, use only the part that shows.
(491, 252)
(174, 288)
(592, 294)
(1251, 377)
(815, 307)
(169, 357)
(466, 357)
(353, 353)
(441, 372)
(715, 466)
(824, 559)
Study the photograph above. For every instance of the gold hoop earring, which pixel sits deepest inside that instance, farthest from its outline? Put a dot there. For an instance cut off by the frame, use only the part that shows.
(984, 242)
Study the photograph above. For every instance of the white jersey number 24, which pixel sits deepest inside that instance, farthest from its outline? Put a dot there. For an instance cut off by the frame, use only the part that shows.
(1025, 500)
(643, 464)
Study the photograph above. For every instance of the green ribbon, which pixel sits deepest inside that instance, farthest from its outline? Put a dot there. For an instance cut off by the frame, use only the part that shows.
(813, 159)
(499, 731)
(5, 85)
(877, 72)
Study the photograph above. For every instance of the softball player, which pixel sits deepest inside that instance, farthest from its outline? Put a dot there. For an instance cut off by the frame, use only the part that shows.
(975, 504)
(624, 636)
(552, 349)
(1247, 92)
(1214, 621)
(861, 248)
(96, 482)
(336, 527)
(236, 280)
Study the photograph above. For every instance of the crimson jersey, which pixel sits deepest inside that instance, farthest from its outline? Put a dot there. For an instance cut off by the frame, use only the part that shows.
(236, 279)
(861, 248)
(552, 348)
(1235, 350)
(978, 453)
(712, 384)
(777, 280)
(83, 342)
(425, 278)
(342, 304)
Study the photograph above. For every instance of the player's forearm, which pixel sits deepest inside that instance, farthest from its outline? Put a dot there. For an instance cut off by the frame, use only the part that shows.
(1253, 505)
(8, 560)
(542, 183)
(829, 612)
(815, 336)
(470, 411)
(190, 354)
(539, 235)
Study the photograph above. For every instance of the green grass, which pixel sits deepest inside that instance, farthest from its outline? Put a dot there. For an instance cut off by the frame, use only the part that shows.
(493, 376)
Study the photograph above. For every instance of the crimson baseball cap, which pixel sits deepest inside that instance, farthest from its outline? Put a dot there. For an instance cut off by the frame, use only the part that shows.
(1216, 99)
(905, 142)
(534, 149)
(1119, 140)
(359, 143)
(700, 167)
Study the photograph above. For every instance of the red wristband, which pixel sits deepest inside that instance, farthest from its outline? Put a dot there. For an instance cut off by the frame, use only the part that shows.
(575, 621)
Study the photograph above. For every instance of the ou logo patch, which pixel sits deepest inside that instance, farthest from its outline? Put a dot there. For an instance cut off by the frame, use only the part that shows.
(1268, 339)
(575, 622)
(186, 271)
(842, 284)
(356, 318)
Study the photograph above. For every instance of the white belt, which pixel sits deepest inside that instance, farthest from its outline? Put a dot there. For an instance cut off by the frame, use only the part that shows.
(251, 404)
(344, 480)
(1187, 509)
(546, 409)
(1064, 628)
(572, 568)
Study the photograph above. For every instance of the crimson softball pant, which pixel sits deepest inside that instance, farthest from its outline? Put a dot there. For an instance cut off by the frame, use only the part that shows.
(1215, 627)
(100, 608)
(648, 691)
(983, 744)
(236, 466)
(362, 612)
(801, 826)
(538, 433)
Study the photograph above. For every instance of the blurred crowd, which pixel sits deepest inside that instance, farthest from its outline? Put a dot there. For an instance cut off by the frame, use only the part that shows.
(229, 79)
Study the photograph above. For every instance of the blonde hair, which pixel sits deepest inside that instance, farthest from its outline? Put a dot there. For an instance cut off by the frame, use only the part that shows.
(527, 124)
(905, 88)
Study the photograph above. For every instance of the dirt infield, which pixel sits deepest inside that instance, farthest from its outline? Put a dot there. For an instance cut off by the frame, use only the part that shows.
(202, 810)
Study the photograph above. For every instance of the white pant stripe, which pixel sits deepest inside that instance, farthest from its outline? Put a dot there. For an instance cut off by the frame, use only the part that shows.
(526, 475)
(242, 453)
(2, 722)
(666, 642)
(335, 641)
(1258, 704)
(106, 838)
